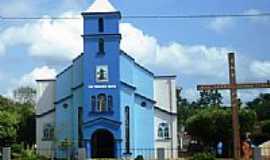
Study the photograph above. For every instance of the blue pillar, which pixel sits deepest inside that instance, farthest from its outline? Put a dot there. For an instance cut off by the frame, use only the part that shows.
(88, 149)
(117, 148)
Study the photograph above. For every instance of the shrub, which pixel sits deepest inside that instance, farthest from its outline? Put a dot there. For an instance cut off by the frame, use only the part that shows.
(28, 155)
(16, 150)
(139, 157)
(203, 156)
(266, 126)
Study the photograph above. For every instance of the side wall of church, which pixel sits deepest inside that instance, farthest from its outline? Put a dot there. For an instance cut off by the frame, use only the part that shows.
(69, 97)
(138, 88)
(45, 116)
(143, 115)
(170, 145)
(165, 93)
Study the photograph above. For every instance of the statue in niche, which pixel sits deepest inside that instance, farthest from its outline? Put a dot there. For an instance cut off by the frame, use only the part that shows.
(102, 73)
(101, 102)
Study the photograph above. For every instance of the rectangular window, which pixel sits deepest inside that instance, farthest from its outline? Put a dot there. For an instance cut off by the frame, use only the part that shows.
(48, 132)
(110, 103)
(127, 133)
(93, 103)
(101, 25)
(101, 46)
(80, 128)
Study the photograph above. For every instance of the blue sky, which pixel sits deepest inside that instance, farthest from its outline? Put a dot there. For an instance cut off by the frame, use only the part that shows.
(193, 49)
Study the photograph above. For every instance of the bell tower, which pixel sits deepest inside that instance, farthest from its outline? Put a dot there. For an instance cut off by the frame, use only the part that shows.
(101, 43)
(101, 40)
(101, 75)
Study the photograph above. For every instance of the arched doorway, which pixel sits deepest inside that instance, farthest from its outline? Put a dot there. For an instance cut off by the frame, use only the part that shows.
(102, 143)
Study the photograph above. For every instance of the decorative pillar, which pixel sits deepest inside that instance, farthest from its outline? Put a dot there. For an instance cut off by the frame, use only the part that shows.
(118, 148)
(88, 149)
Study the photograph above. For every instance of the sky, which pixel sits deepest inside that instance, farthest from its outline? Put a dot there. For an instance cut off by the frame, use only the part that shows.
(193, 49)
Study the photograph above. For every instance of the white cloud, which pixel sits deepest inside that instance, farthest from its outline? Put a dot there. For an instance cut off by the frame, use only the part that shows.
(38, 73)
(193, 60)
(260, 69)
(1, 76)
(57, 40)
(61, 40)
(175, 57)
(29, 79)
(261, 19)
(221, 24)
(2, 48)
(141, 46)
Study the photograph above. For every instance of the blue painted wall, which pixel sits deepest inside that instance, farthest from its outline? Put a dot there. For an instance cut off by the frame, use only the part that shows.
(69, 91)
(137, 80)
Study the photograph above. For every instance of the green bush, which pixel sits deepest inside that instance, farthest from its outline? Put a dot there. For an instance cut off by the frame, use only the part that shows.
(28, 155)
(266, 126)
(16, 150)
(139, 157)
(203, 156)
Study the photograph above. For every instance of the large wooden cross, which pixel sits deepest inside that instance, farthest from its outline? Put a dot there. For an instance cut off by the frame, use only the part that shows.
(233, 86)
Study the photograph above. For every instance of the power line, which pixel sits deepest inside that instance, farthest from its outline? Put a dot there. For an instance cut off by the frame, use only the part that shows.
(200, 16)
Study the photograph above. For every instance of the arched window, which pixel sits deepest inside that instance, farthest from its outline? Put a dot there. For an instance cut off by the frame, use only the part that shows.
(101, 46)
(101, 103)
(101, 25)
(93, 103)
(110, 103)
(163, 130)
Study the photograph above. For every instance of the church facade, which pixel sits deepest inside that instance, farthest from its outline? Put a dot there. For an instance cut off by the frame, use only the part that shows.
(105, 103)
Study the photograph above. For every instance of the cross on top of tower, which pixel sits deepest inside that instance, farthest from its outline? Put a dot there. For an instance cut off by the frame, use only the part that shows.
(101, 6)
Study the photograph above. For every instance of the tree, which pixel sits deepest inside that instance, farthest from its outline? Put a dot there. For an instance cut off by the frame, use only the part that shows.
(27, 124)
(211, 125)
(17, 121)
(184, 109)
(261, 105)
(210, 98)
(8, 127)
(266, 127)
(25, 95)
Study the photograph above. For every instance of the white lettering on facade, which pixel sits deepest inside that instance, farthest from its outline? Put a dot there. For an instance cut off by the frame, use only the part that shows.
(102, 86)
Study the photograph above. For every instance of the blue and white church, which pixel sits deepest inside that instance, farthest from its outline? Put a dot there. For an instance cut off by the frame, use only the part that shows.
(105, 104)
